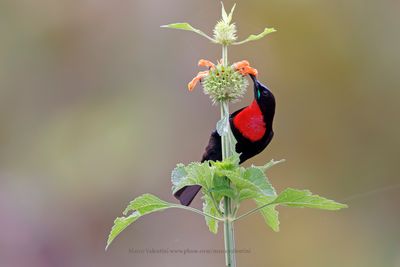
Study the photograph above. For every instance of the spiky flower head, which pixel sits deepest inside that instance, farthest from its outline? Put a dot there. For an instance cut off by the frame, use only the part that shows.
(223, 83)
(224, 33)
(224, 30)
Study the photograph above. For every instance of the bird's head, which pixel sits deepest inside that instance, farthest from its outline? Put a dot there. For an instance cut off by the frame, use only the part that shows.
(264, 97)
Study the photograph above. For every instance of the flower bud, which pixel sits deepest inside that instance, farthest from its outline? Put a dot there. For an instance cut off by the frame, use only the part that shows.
(225, 33)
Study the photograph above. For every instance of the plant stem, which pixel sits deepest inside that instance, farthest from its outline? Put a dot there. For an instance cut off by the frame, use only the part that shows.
(251, 212)
(226, 148)
(196, 211)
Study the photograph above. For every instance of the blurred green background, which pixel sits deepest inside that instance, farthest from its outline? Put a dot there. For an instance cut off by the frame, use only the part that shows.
(94, 111)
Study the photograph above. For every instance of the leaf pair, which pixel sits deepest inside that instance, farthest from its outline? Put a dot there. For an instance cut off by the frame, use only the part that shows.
(187, 27)
(226, 19)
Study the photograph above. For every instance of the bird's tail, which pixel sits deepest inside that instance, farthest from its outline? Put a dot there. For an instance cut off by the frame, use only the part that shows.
(213, 152)
(186, 194)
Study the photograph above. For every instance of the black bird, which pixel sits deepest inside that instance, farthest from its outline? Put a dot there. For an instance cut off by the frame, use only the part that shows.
(252, 128)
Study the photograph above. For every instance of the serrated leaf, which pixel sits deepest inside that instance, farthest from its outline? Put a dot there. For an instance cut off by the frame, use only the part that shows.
(187, 27)
(269, 213)
(304, 198)
(238, 181)
(223, 191)
(178, 177)
(209, 208)
(247, 194)
(254, 37)
(231, 163)
(120, 224)
(250, 182)
(202, 173)
(140, 206)
(145, 204)
(195, 173)
(221, 188)
(257, 177)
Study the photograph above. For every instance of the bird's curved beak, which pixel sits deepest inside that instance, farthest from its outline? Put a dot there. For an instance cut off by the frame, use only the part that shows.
(255, 81)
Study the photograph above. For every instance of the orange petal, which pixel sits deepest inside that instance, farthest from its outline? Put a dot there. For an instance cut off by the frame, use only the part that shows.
(196, 79)
(206, 63)
(241, 64)
(249, 70)
(243, 67)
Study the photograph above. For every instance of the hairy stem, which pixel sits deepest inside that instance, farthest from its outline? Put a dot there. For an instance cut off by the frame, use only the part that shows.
(227, 144)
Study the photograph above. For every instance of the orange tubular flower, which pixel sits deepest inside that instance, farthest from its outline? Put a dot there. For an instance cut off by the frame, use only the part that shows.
(201, 74)
(206, 63)
(196, 79)
(243, 67)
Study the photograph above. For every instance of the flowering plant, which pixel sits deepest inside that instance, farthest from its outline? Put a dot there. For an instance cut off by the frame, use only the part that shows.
(223, 182)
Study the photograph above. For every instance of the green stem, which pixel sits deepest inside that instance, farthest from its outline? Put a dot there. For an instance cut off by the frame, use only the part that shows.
(196, 211)
(251, 212)
(226, 148)
(225, 55)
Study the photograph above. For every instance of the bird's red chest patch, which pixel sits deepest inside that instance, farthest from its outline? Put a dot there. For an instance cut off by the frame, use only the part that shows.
(250, 122)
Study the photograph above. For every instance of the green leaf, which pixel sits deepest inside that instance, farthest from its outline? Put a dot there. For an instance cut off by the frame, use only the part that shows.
(230, 163)
(209, 208)
(269, 213)
(269, 164)
(120, 224)
(140, 206)
(187, 27)
(304, 198)
(257, 177)
(223, 191)
(253, 37)
(247, 194)
(178, 177)
(195, 173)
(238, 181)
(145, 204)
(250, 182)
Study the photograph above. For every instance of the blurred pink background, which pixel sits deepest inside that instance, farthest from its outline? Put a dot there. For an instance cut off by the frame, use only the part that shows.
(94, 111)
